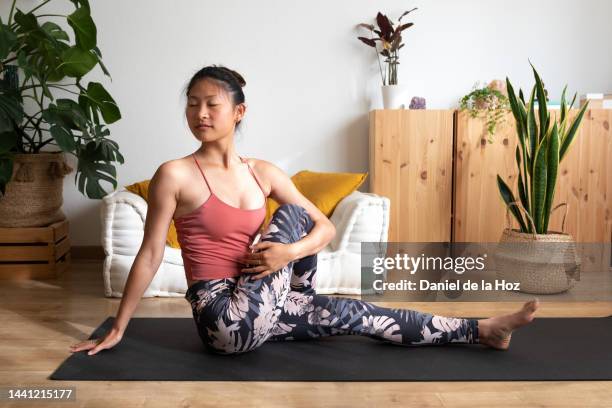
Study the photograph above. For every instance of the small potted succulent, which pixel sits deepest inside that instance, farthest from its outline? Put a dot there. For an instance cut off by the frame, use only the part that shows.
(390, 37)
(541, 260)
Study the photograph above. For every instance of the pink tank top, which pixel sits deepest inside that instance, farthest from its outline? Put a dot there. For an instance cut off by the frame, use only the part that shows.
(215, 235)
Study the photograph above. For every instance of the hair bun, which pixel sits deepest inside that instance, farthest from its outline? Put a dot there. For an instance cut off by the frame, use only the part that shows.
(238, 78)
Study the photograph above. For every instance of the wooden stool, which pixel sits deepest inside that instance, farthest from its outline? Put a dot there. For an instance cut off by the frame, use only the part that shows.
(34, 252)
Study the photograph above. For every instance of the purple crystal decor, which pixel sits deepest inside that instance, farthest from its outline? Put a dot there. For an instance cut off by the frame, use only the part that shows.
(417, 103)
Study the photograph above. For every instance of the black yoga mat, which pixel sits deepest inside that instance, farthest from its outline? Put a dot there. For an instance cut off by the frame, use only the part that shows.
(169, 349)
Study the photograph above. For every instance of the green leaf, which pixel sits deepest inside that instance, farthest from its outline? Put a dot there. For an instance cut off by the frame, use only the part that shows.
(508, 198)
(522, 97)
(67, 113)
(99, 57)
(551, 174)
(81, 3)
(523, 112)
(25, 22)
(542, 109)
(563, 104)
(74, 111)
(539, 184)
(11, 112)
(84, 28)
(28, 69)
(8, 39)
(90, 172)
(571, 133)
(88, 108)
(532, 131)
(523, 197)
(77, 62)
(100, 99)
(64, 138)
(109, 150)
(516, 111)
(573, 100)
(44, 46)
(521, 185)
(54, 31)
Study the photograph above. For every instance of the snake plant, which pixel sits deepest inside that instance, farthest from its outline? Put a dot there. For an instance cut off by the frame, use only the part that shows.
(543, 143)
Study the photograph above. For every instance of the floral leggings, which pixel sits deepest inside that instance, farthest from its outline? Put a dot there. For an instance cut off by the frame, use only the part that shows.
(235, 315)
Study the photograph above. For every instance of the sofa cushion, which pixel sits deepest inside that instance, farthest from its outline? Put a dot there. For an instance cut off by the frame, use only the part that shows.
(324, 190)
(141, 188)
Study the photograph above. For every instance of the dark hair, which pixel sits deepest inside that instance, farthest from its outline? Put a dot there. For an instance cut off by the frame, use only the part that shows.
(229, 79)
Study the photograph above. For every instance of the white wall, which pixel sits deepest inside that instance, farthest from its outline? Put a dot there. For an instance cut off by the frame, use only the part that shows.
(310, 82)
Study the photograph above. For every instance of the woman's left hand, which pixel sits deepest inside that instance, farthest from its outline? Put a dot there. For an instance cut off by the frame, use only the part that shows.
(267, 257)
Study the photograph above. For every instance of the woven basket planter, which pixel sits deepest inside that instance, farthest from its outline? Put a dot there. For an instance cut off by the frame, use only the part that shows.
(34, 193)
(541, 263)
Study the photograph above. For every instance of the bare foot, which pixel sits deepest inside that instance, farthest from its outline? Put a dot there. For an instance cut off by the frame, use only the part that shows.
(497, 331)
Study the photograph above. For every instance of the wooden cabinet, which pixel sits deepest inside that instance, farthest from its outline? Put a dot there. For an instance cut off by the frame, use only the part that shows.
(439, 172)
(411, 163)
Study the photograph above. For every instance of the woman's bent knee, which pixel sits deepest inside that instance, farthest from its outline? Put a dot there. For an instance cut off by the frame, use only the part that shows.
(291, 207)
(293, 211)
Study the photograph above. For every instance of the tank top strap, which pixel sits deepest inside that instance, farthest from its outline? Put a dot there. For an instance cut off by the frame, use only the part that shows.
(254, 176)
(201, 171)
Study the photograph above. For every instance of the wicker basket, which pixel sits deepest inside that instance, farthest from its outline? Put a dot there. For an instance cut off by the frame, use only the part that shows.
(541, 263)
(34, 193)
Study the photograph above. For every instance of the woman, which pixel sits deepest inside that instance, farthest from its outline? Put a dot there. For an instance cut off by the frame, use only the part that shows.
(243, 295)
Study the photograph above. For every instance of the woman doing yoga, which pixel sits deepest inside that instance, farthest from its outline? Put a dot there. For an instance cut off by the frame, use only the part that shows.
(243, 295)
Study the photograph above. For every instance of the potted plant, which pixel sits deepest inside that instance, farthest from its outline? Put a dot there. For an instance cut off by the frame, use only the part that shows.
(543, 261)
(390, 38)
(32, 119)
(489, 102)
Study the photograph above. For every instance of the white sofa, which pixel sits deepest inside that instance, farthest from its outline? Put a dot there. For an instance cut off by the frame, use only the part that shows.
(359, 217)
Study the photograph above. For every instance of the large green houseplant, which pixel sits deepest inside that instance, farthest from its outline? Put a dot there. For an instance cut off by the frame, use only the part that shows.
(31, 117)
(545, 261)
(543, 143)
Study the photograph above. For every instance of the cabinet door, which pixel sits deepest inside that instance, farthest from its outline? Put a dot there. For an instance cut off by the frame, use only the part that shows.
(585, 180)
(479, 214)
(411, 164)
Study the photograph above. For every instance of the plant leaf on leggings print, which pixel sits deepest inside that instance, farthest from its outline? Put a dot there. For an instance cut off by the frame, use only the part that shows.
(443, 328)
(297, 304)
(382, 326)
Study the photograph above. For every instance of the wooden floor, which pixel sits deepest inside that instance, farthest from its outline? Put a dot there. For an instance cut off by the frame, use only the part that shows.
(42, 318)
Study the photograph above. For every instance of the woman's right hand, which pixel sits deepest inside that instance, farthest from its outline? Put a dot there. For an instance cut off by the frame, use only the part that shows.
(109, 340)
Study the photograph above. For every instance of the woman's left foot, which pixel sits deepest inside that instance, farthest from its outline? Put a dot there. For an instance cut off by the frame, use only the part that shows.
(496, 331)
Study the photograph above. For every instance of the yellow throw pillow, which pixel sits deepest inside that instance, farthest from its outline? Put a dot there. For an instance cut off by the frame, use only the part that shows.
(324, 190)
(142, 189)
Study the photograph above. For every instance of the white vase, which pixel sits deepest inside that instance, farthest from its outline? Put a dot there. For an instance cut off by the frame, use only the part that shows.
(395, 96)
